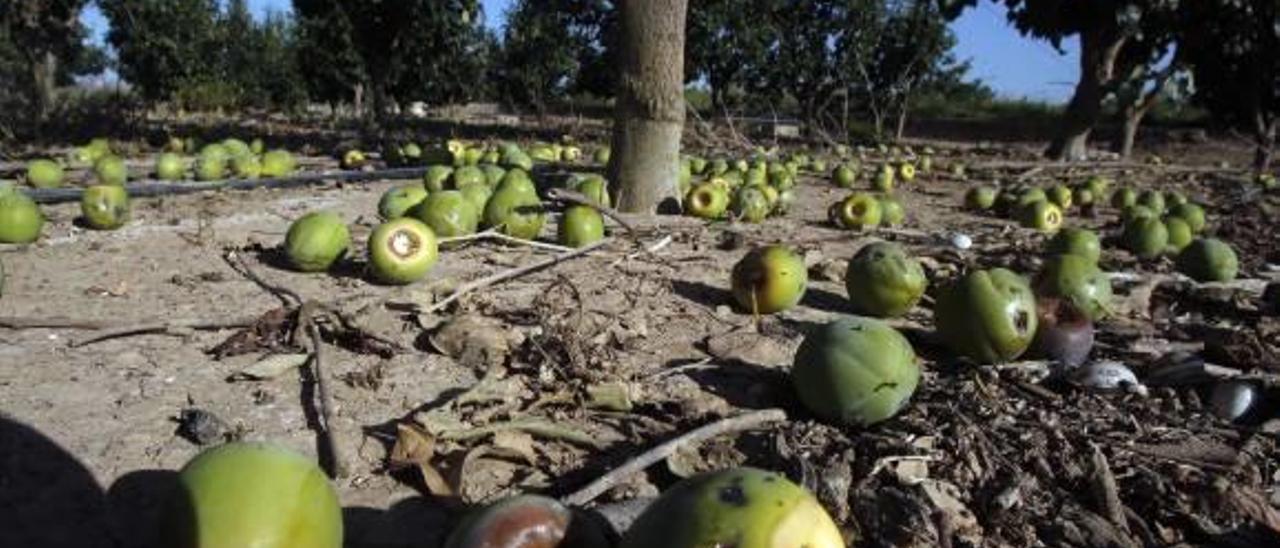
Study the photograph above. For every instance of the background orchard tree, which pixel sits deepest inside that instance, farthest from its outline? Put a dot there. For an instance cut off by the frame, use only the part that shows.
(1232, 47)
(726, 48)
(649, 112)
(333, 72)
(554, 48)
(162, 45)
(41, 45)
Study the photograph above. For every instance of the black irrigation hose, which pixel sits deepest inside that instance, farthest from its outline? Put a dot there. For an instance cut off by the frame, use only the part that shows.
(173, 188)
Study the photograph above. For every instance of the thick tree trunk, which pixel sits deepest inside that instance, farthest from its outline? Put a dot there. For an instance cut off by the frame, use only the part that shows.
(1098, 51)
(649, 114)
(1133, 115)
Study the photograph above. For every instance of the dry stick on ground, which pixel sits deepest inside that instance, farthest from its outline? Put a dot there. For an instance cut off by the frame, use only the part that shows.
(512, 273)
(174, 327)
(493, 233)
(11, 322)
(644, 460)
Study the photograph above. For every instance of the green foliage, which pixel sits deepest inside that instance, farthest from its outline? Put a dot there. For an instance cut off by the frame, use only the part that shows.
(552, 49)
(41, 46)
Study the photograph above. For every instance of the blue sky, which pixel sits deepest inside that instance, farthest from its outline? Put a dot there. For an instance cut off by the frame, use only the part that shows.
(1014, 66)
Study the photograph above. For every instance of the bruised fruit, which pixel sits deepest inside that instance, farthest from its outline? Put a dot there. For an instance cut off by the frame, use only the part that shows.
(884, 281)
(110, 170)
(449, 214)
(528, 521)
(859, 211)
(105, 207)
(20, 218)
(395, 203)
(1078, 280)
(1064, 333)
(1209, 260)
(855, 371)
(980, 198)
(252, 494)
(988, 316)
(1124, 197)
(1042, 216)
(740, 507)
(580, 226)
(1077, 241)
(1145, 237)
(769, 279)
(707, 201)
(44, 173)
(1193, 214)
(750, 204)
(316, 240)
(402, 251)
(891, 211)
(1180, 234)
(170, 167)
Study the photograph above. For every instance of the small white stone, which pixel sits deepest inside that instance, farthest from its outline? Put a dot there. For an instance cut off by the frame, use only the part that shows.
(1233, 399)
(961, 241)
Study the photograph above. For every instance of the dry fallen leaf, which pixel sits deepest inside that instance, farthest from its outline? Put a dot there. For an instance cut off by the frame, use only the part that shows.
(271, 367)
(475, 341)
(414, 447)
(748, 346)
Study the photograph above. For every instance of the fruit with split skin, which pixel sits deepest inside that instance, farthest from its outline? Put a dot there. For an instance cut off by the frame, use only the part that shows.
(252, 494)
(855, 371)
(1042, 216)
(884, 281)
(316, 240)
(105, 207)
(1209, 260)
(1078, 280)
(742, 507)
(402, 251)
(769, 279)
(988, 316)
(707, 201)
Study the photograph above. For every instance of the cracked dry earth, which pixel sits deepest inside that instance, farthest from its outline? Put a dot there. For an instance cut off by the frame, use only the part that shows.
(601, 357)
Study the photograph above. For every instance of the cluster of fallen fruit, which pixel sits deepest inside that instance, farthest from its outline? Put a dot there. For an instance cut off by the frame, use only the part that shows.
(853, 371)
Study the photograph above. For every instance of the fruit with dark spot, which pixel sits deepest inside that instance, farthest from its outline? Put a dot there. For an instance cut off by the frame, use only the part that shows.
(859, 211)
(1076, 279)
(751, 204)
(20, 218)
(529, 521)
(395, 203)
(707, 201)
(1076, 241)
(988, 316)
(738, 507)
(769, 279)
(105, 207)
(1042, 216)
(252, 494)
(402, 251)
(515, 209)
(449, 213)
(1209, 260)
(580, 226)
(907, 172)
(884, 281)
(1064, 333)
(855, 371)
(1145, 237)
(316, 240)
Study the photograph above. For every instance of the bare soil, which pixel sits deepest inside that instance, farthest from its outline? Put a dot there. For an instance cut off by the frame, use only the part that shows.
(983, 456)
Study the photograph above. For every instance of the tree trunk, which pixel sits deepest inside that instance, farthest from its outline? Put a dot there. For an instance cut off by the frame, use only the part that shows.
(44, 71)
(358, 100)
(1264, 141)
(902, 122)
(1098, 51)
(649, 113)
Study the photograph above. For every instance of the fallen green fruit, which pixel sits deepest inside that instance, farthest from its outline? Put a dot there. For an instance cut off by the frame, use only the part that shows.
(1153, 200)
(1060, 196)
(988, 316)
(1042, 216)
(467, 175)
(891, 211)
(707, 201)
(170, 167)
(278, 163)
(402, 251)
(596, 189)
(884, 179)
(252, 494)
(1180, 234)
(397, 202)
(581, 226)
(1077, 241)
(844, 176)
(1078, 280)
(980, 198)
(110, 170)
(20, 218)
(1124, 197)
(246, 167)
(769, 279)
(859, 211)
(44, 173)
(478, 195)
(1145, 237)
(436, 177)
(105, 207)
(737, 507)
(1209, 260)
(515, 211)
(884, 281)
(211, 168)
(855, 371)
(316, 240)
(449, 213)
(1193, 214)
(751, 204)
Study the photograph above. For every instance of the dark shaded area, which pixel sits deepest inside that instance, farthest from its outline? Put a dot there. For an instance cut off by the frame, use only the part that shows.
(701, 293)
(43, 488)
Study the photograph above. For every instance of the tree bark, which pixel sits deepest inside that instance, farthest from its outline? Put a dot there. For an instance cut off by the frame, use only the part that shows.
(1265, 141)
(649, 113)
(44, 71)
(1099, 48)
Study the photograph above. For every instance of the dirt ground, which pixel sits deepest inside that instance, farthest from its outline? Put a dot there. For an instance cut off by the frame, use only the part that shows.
(982, 457)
